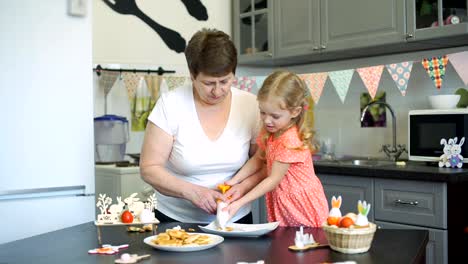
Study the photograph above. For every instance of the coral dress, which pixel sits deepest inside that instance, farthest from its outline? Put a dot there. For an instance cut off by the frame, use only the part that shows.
(299, 199)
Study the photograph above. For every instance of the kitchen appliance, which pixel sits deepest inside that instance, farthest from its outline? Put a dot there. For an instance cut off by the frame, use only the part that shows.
(426, 128)
(110, 138)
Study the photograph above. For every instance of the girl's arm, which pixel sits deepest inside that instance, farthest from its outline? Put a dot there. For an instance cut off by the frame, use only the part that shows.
(278, 171)
(253, 165)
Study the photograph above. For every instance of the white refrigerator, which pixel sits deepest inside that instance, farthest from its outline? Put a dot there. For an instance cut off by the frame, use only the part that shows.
(46, 130)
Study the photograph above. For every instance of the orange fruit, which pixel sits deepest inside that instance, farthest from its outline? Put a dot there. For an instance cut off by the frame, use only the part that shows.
(224, 188)
(346, 222)
(333, 220)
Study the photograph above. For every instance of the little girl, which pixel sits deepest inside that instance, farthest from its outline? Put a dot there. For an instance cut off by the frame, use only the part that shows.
(294, 194)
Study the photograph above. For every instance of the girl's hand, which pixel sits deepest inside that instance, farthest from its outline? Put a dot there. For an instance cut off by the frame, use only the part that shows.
(231, 182)
(235, 192)
(205, 199)
(232, 208)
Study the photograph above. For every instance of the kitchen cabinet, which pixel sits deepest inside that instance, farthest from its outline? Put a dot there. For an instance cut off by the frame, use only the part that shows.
(301, 31)
(253, 29)
(305, 27)
(436, 19)
(352, 189)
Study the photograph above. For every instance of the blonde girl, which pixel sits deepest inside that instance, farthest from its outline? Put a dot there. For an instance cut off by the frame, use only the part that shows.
(294, 194)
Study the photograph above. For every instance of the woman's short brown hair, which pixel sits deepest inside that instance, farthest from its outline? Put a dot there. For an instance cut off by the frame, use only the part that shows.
(212, 52)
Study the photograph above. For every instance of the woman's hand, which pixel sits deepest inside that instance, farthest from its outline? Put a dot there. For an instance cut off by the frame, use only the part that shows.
(204, 199)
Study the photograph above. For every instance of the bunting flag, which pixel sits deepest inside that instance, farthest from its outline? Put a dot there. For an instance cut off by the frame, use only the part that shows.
(341, 81)
(107, 80)
(459, 62)
(435, 68)
(259, 81)
(315, 83)
(400, 73)
(175, 81)
(131, 81)
(371, 78)
(245, 83)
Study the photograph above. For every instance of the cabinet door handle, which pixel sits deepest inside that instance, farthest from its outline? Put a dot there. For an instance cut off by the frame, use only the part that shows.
(269, 55)
(414, 203)
(315, 48)
(323, 47)
(409, 35)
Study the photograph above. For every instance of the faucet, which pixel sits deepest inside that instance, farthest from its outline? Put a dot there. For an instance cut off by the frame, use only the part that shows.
(393, 152)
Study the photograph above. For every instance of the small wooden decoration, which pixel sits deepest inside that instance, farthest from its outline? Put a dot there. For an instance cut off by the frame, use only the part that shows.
(131, 258)
(107, 249)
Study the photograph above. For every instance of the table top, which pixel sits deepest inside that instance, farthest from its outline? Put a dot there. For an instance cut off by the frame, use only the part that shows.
(71, 245)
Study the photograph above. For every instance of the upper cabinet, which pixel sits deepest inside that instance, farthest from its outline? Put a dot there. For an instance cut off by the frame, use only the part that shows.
(430, 19)
(253, 30)
(301, 31)
(310, 26)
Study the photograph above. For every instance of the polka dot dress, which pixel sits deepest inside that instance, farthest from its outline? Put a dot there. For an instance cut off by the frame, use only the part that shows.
(299, 199)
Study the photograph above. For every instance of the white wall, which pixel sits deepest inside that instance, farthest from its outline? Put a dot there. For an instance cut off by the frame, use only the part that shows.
(46, 136)
(126, 42)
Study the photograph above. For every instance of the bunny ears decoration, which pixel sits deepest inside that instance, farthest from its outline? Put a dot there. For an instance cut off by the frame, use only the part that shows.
(451, 157)
(363, 209)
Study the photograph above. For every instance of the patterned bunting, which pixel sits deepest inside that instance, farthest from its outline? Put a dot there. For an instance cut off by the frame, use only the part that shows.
(459, 62)
(245, 83)
(315, 82)
(341, 81)
(371, 78)
(107, 80)
(435, 68)
(175, 81)
(400, 73)
(131, 81)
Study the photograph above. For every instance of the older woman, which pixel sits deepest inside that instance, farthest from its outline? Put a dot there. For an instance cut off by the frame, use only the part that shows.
(200, 135)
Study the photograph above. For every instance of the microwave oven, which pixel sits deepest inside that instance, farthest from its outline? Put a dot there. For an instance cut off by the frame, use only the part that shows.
(426, 128)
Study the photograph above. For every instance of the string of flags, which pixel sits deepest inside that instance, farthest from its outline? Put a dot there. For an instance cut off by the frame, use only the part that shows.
(144, 89)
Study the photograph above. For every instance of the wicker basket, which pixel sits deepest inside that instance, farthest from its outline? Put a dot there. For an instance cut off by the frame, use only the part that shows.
(350, 240)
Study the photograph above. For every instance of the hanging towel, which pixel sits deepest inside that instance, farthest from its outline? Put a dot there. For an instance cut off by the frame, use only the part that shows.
(140, 106)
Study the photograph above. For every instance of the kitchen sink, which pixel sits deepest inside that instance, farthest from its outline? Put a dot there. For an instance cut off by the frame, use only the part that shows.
(356, 162)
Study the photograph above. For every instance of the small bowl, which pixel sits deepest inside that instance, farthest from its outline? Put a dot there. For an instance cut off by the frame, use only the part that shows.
(446, 101)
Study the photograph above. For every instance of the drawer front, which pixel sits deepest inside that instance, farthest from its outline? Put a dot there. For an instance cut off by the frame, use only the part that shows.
(411, 202)
(437, 247)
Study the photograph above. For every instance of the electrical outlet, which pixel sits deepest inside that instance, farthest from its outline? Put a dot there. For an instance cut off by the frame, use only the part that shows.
(77, 7)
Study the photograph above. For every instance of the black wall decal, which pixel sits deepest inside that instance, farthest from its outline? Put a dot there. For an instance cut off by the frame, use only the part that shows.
(196, 9)
(129, 7)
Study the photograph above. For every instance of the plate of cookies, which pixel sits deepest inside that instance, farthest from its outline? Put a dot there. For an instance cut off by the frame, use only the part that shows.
(179, 240)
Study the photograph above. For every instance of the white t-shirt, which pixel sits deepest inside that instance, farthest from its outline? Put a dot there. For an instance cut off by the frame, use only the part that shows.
(197, 159)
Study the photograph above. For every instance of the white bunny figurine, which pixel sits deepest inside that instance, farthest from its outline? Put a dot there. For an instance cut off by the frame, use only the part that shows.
(456, 159)
(444, 158)
(134, 204)
(117, 208)
(363, 209)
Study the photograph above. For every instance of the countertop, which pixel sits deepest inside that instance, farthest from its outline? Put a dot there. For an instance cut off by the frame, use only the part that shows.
(411, 171)
(71, 245)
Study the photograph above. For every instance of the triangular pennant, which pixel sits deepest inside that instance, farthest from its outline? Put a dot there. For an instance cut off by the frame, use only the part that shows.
(341, 81)
(175, 81)
(371, 77)
(435, 68)
(315, 83)
(245, 83)
(153, 82)
(259, 80)
(459, 62)
(400, 73)
(107, 80)
(131, 83)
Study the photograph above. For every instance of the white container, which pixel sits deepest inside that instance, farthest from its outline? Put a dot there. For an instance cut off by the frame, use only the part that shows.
(446, 101)
(110, 138)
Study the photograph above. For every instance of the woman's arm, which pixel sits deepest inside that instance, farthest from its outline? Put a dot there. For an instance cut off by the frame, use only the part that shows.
(278, 171)
(157, 147)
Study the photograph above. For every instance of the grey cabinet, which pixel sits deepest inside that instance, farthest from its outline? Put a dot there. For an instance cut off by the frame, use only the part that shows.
(351, 189)
(253, 29)
(276, 32)
(305, 27)
(436, 19)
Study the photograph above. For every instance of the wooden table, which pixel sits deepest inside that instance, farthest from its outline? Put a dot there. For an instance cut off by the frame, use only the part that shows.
(71, 245)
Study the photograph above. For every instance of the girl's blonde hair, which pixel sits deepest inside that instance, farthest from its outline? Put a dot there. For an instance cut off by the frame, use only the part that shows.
(293, 93)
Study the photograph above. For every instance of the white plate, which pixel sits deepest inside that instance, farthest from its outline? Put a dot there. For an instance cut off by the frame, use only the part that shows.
(241, 230)
(215, 241)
